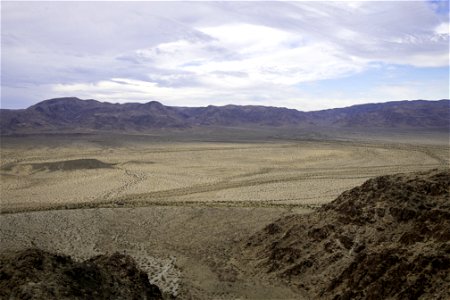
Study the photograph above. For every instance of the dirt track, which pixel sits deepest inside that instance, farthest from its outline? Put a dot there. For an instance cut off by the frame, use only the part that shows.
(179, 208)
(303, 174)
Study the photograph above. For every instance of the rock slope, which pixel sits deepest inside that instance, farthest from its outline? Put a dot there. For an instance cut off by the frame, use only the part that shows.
(386, 239)
(36, 274)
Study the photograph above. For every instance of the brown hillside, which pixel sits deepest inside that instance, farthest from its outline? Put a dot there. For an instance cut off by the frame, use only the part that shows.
(386, 239)
(36, 274)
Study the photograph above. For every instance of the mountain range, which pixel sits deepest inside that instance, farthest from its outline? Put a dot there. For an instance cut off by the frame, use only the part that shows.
(73, 114)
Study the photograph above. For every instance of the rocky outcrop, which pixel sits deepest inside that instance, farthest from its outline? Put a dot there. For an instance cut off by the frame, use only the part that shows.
(36, 274)
(386, 239)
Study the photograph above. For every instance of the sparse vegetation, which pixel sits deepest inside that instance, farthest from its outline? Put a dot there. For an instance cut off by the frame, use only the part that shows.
(181, 208)
(300, 174)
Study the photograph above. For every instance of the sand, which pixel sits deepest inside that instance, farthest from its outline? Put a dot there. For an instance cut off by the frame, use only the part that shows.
(179, 208)
(245, 174)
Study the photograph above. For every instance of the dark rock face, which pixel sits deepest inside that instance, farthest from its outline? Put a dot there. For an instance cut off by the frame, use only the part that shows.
(386, 239)
(388, 273)
(36, 274)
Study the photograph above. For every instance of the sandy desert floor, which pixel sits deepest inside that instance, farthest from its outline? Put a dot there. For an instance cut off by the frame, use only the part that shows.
(179, 207)
(93, 173)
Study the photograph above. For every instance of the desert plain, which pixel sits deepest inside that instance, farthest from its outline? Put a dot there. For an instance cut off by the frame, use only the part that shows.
(179, 205)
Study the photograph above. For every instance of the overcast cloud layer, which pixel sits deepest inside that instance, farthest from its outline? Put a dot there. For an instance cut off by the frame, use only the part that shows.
(304, 55)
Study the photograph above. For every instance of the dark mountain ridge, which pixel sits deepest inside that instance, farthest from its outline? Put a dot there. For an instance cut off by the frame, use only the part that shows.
(74, 114)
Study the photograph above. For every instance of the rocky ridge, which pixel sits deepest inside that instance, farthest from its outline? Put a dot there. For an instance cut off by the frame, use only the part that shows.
(37, 274)
(77, 115)
(386, 239)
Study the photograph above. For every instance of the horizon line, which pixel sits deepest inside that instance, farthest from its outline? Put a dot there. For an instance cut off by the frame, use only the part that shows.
(224, 105)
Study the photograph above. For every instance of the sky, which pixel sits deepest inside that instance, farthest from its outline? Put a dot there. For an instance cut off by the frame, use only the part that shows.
(303, 55)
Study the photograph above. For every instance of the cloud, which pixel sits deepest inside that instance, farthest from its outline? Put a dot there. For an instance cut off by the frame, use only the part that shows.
(200, 53)
(442, 31)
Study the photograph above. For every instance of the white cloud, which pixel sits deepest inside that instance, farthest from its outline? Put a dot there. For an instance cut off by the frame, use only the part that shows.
(188, 53)
(442, 29)
(263, 54)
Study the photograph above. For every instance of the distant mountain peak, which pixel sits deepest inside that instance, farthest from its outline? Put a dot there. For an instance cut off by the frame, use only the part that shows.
(72, 114)
(154, 104)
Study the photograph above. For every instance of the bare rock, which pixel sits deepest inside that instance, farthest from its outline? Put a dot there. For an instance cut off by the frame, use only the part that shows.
(36, 274)
(386, 239)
